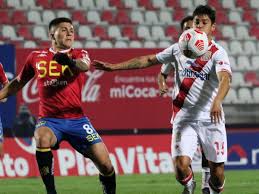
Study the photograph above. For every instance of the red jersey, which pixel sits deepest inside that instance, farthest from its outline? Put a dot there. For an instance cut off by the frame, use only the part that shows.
(3, 77)
(59, 87)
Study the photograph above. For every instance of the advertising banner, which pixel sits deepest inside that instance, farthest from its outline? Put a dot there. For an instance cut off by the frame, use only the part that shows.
(8, 109)
(114, 100)
(130, 154)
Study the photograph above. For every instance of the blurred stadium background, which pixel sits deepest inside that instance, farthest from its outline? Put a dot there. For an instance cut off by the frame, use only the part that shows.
(125, 107)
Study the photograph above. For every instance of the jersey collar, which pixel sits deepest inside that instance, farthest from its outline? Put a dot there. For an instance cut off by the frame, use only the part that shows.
(63, 51)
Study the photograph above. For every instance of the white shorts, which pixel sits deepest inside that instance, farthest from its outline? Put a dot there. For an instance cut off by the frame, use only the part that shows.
(212, 138)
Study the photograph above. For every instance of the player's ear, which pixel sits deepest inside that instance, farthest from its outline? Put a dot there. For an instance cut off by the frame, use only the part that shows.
(52, 36)
(213, 27)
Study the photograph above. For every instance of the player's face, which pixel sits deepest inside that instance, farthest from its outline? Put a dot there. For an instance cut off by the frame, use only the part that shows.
(64, 35)
(203, 23)
(187, 25)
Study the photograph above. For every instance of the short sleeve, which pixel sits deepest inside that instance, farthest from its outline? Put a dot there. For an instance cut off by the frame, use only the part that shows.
(167, 68)
(83, 55)
(167, 55)
(222, 61)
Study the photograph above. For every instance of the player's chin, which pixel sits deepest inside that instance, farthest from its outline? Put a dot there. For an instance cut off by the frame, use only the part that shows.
(68, 45)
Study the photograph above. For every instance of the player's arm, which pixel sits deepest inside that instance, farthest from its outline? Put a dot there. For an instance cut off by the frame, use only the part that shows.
(11, 88)
(161, 81)
(4, 85)
(224, 78)
(166, 69)
(135, 63)
(80, 64)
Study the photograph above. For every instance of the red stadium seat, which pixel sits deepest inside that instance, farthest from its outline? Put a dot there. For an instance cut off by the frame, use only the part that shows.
(173, 32)
(122, 17)
(173, 3)
(146, 4)
(44, 3)
(178, 14)
(60, 4)
(215, 3)
(24, 31)
(19, 17)
(222, 17)
(243, 4)
(80, 17)
(251, 77)
(117, 3)
(129, 31)
(249, 15)
(100, 32)
(4, 17)
(107, 16)
(254, 31)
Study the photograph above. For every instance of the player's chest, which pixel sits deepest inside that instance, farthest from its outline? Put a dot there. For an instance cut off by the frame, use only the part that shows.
(197, 65)
(47, 68)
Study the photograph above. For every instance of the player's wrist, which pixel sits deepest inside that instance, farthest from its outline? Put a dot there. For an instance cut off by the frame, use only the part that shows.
(72, 63)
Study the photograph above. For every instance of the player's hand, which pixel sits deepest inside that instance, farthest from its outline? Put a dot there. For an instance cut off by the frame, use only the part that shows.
(102, 65)
(216, 111)
(163, 89)
(3, 100)
(63, 59)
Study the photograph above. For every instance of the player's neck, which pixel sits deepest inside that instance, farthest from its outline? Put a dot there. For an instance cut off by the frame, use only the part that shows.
(57, 49)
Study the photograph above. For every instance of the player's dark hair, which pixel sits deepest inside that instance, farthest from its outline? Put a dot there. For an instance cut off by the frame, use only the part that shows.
(205, 10)
(186, 19)
(57, 21)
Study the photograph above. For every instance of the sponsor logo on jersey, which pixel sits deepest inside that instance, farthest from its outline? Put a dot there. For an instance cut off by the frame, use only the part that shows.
(40, 123)
(189, 73)
(55, 83)
(27, 144)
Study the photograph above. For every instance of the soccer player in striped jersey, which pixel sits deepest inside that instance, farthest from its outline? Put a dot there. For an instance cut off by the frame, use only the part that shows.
(167, 69)
(201, 85)
(3, 82)
(60, 72)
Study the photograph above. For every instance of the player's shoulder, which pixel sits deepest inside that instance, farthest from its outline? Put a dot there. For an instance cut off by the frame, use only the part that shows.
(218, 51)
(174, 48)
(73, 50)
(219, 48)
(40, 53)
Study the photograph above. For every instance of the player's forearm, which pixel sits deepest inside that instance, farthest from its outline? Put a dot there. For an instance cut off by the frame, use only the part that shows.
(224, 86)
(82, 65)
(161, 79)
(11, 88)
(136, 63)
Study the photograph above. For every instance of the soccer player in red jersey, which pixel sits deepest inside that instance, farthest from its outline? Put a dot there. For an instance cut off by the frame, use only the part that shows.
(3, 82)
(59, 71)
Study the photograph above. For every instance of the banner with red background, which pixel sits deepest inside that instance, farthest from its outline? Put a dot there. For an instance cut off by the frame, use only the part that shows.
(114, 100)
(130, 154)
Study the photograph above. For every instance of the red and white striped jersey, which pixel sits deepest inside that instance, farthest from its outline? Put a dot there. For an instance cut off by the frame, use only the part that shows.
(196, 81)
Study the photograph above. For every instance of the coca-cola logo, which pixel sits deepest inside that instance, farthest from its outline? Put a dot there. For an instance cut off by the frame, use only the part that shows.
(90, 89)
(30, 92)
(27, 144)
